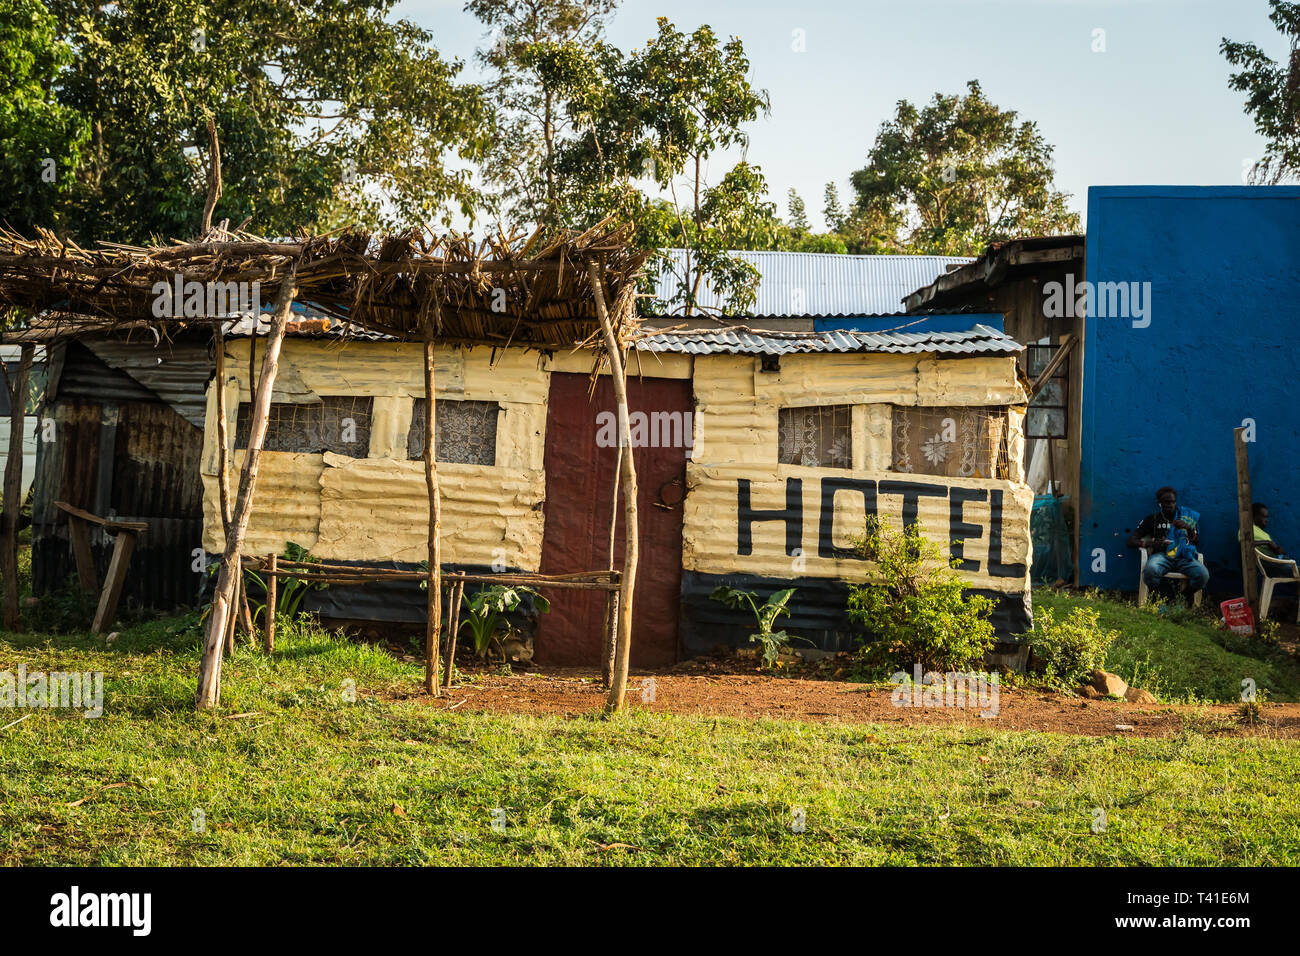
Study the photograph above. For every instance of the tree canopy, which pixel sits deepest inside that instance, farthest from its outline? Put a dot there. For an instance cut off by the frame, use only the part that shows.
(326, 112)
(1273, 95)
(954, 175)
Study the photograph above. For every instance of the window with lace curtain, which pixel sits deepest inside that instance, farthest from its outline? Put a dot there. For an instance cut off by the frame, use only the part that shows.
(464, 432)
(819, 436)
(956, 441)
(337, 423)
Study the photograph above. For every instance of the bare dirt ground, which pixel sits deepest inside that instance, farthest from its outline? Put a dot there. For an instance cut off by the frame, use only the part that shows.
(573, 691)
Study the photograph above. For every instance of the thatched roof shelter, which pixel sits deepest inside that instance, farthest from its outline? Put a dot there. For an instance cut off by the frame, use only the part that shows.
(508, 289)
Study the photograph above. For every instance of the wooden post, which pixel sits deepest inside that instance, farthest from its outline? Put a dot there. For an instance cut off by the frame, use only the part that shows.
(272, 590)
(245, 612)
(79, 532)
(232, 626)
(433, 628)
(13, 489)
(1246, 522)
(223, 469)
(611, 600)
(623, 644)
(245, 609)
(457, 592)
(209, 690)
(113, 582)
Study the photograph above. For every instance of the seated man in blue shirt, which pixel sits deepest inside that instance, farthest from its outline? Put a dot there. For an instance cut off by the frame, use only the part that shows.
(1170, 535)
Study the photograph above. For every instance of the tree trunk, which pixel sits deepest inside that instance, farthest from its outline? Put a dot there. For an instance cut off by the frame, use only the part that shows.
(623, 645)
(13, 491)
(433, 628)
(209, 691)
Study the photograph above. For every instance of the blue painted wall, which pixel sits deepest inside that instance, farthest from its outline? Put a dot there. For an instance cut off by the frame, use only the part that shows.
(1160, 402)
(956, 322)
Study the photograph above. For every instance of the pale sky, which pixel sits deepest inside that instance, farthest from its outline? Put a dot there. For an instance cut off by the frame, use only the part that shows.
(1154, 108)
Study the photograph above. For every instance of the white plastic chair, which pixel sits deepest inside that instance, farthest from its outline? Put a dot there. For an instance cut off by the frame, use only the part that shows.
(1172, 576)
(1266, 596)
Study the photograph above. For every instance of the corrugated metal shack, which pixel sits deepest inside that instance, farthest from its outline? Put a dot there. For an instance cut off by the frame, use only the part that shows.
(759, 453)
(120, 436)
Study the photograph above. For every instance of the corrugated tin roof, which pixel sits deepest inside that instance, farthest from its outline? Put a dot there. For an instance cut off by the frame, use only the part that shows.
(308, 321)
(980, 339)
(823, 284)
(177, 372)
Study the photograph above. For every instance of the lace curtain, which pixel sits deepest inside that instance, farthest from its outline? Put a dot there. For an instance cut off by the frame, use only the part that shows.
(820, 436)
(464, 432)
(337, 423)
(956, 442)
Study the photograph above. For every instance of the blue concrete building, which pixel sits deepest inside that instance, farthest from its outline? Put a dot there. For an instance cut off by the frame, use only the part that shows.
(1193, 308)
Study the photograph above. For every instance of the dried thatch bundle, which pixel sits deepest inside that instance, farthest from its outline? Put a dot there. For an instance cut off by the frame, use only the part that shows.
(511, 289)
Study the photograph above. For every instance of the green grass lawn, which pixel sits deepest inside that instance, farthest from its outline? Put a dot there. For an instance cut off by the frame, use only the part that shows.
(1181, 654)
(308, 777)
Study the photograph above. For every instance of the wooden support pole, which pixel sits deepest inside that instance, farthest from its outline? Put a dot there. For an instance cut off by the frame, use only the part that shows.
(623, 646)
(113, 581)
(272, 591)
(209, 689)
(1246, 522)
(79, 532)
(457, 592)
(223, 435)
(245, 612)
(245, 609)
(233, 624)
(611, 602)
(13, 489)
(434, 626)
(223, 467)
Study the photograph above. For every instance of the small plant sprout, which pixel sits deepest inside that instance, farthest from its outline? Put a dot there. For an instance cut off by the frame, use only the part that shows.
(487, 613)
(765, 616)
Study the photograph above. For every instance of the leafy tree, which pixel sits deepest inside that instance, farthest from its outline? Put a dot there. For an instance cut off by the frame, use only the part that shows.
(695, 96)
(326, 112)
(1273, 95)
(955, 175)
(657, 116)
(798, 214)
(40, 139)
(549, 61)
(832, 211)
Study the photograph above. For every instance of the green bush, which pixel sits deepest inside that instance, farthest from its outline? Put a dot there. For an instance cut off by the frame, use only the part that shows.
(916, 609)
(1066, 652)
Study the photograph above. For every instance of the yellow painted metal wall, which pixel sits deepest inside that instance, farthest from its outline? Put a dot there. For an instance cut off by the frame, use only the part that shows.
(736, 440)
(375, 509)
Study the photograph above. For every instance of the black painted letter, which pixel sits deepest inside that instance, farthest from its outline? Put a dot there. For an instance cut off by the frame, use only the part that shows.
(792, 515)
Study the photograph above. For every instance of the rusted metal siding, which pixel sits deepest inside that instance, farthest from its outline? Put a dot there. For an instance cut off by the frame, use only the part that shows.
(156, 464)
(118, 449)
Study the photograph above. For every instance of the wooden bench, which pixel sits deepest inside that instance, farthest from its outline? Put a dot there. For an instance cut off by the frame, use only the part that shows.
(79, 531)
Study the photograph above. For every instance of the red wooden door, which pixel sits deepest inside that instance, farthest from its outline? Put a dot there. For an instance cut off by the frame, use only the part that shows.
(579, 482)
